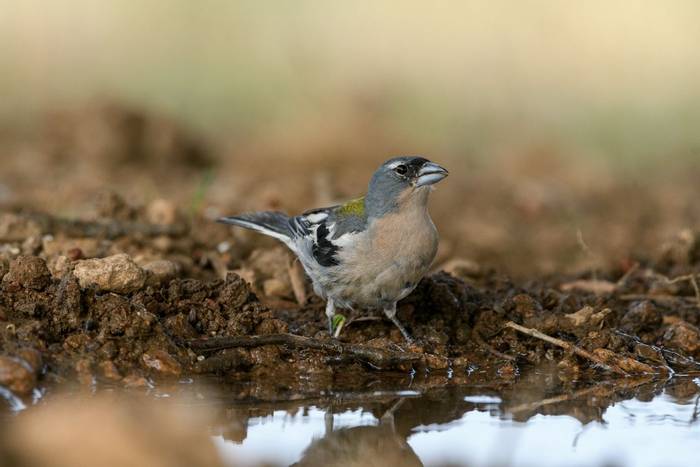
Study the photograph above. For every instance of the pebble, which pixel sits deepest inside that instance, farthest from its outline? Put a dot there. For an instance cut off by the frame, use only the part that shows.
(682, 336)
(162, 362)
(162, 212)
(117, 273)
(17, 375)
(461, 267)
(30, 272)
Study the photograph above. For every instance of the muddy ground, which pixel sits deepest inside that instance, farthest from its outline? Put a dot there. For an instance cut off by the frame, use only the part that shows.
(100, 289)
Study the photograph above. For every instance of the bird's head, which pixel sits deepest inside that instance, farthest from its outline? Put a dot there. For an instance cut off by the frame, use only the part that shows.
(401, 180)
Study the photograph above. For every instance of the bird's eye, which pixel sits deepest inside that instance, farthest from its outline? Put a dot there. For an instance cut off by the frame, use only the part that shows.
(401, 169)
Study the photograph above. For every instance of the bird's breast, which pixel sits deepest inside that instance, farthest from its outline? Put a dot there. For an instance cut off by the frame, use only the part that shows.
(390, 259)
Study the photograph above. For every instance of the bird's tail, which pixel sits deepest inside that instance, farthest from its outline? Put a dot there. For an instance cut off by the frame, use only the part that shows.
(274, 224)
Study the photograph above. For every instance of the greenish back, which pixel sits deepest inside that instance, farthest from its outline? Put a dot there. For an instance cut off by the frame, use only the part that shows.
(355, 207)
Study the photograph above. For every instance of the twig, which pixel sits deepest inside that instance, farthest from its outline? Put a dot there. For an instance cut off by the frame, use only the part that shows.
(693, 281)
(610, 389)
(379, 358)
(480, 340)
(665, 354)
(566, 345)
(526, 407)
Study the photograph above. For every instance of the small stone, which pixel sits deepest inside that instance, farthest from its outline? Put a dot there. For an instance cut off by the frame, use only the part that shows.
(74, 254)
(162, 212)
(16, 375)
(117, 273)
(30, 272)
(161, 271)
(162, 362)
(436, 362)
(682, 336)
(641, 316)
(462, 268)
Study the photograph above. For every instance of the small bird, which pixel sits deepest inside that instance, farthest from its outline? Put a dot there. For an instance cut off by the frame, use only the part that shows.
(369, 252)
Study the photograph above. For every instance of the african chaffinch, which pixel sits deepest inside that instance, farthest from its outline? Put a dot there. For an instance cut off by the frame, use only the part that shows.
(370, 252)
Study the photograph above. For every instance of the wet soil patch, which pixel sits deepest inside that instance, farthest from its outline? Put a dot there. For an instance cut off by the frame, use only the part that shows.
(132, 302)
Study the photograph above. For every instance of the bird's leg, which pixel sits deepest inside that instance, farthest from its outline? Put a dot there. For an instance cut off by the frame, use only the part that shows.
(330, 313)
(390, 313)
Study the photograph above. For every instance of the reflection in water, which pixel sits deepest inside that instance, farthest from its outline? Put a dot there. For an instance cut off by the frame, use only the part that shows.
(536, 421)
(378, 445)
(533, 420)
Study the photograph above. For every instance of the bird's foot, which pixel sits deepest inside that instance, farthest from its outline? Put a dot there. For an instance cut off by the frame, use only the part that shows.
(406, 335)
(336, 324)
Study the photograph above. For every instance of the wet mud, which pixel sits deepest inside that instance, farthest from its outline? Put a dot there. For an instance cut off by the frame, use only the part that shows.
(103, 302)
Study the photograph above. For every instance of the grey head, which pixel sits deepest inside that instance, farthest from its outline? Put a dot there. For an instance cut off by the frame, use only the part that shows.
(400, 178)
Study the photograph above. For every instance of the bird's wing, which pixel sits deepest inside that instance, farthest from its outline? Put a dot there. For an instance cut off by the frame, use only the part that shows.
(326, 230)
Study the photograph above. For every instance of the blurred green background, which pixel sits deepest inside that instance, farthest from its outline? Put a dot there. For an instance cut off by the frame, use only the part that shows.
(611, 79)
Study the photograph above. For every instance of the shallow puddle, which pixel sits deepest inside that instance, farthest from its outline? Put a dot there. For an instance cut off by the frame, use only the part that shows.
(661, 431)
(533, 420)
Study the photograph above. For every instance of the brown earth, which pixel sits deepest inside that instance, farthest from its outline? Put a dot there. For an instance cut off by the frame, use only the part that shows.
(101, 289)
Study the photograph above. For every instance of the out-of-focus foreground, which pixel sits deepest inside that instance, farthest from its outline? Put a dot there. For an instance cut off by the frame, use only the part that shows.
(572, 125)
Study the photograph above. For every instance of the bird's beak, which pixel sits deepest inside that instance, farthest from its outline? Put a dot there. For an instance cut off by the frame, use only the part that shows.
(430, 174)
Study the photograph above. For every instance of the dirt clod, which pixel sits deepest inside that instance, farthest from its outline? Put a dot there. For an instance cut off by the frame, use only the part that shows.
(29, 272)
(162, 362)
(17, 375)
(117, 273)
(683, 336)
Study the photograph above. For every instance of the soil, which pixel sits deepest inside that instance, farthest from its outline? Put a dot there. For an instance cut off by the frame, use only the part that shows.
(139, 294)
